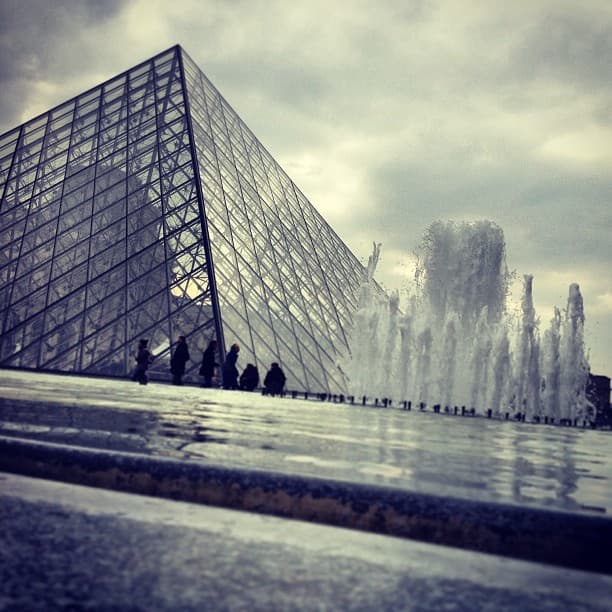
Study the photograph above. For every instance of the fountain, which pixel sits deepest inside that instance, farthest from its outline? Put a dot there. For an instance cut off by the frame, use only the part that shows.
(455, 342)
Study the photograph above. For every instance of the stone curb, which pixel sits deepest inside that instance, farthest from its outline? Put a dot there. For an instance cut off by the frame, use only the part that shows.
(570, 540)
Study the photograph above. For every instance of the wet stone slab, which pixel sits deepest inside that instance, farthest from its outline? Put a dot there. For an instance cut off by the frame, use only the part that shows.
(70, 547)
(581, 541)
(520, 490)
(528, 465)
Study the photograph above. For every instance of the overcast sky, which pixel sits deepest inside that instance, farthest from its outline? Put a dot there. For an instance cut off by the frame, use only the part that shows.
(387, 115)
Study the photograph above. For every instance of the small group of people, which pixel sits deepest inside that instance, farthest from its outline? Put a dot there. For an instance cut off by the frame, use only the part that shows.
(248, 380)
(274, 381)
(144, 358)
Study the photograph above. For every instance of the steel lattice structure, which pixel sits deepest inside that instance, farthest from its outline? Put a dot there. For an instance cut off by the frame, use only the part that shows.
(145, 207)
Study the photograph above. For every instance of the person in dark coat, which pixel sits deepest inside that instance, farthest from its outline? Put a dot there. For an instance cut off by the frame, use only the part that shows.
(143, 360)
(274, 382)
(249, 379)
(178, 361)
(207, 369)
(230, 372)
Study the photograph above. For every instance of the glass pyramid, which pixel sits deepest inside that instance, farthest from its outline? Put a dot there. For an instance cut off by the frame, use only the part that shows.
(145, 207)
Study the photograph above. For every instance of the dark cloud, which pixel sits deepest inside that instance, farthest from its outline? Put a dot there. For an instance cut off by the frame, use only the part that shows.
(568, 45)
(29, 30)
(566, 221)
(550, 215)
(43, 40)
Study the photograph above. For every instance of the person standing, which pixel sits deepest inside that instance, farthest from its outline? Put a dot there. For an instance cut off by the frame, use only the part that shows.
(178, 361)
(275, 379)
(207, 369)
(143, 360)
(230, 371)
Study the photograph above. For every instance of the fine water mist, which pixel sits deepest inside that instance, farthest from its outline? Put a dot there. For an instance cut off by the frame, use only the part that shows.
(455, 342)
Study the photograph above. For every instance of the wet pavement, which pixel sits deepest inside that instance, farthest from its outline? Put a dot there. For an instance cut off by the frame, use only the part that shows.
(67, 547)
(535, 492)
(526, 465)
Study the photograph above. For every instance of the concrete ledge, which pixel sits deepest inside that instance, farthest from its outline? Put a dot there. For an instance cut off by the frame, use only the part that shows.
(577, 541)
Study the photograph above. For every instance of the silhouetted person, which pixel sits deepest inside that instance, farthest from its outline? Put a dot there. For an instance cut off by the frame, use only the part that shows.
(143, 360)
(249, 379)
(274, 382)
(230, 372)
(178, 361)
(207, 369)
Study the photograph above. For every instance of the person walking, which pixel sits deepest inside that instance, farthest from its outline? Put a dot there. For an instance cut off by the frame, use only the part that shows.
(275, 379)
(143, 361)
(249, 379)
(178, 361)
(230, 371)
(207, 369)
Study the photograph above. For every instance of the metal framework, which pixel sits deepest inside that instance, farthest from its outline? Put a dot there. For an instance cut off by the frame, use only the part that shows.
(145, 207)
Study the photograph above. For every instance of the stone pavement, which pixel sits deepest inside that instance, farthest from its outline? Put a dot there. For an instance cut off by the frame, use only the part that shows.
(67, 547)
(534, 492)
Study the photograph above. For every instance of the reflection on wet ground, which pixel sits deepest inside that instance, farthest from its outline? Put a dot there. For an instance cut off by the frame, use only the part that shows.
(464, 457)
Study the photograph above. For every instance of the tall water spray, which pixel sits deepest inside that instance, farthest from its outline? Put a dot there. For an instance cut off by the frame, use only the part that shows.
(455, 344)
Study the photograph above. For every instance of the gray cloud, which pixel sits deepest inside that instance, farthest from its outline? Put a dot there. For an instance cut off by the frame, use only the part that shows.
(569, 45)
(562, 216)
(31, 31)
(42, 40)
